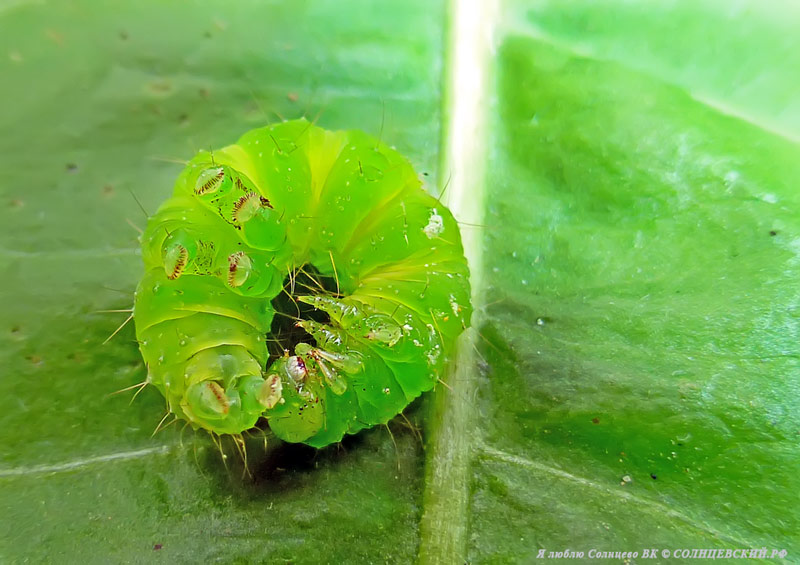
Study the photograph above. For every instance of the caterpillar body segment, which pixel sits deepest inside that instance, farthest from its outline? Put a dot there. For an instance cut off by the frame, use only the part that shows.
(241, 224)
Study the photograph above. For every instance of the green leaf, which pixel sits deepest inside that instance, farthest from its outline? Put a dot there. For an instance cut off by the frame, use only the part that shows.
(102, 101)
(635, 383)
(641, 329)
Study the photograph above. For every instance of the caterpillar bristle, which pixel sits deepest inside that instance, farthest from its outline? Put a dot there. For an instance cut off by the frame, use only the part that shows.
(161, 423)
(134, 226)
(116, 331)
(241, 448)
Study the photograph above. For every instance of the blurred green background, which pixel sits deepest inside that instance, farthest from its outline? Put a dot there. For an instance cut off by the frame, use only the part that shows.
(637, 376)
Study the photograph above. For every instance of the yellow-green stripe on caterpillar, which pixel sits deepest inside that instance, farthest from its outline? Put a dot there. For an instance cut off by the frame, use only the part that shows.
(302, 276)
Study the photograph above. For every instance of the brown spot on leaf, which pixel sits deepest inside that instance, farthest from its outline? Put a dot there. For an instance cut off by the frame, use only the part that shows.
(55, 36)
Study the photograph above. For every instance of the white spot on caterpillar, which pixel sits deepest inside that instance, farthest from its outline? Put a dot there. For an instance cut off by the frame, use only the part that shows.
(433, 356)
(435, 225)
(731, 177)
(454, 305)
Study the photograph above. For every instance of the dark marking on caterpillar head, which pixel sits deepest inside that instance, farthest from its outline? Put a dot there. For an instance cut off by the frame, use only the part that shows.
(217, 392)
(209, 180)
(248, 206)
(239, 267)
(175, 261)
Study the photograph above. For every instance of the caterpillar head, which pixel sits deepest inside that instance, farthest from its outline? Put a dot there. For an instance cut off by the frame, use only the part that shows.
(226, 392)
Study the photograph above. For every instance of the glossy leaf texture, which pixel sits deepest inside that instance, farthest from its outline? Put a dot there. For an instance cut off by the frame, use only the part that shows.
(105, 99)
(636, 379)
(641, 333)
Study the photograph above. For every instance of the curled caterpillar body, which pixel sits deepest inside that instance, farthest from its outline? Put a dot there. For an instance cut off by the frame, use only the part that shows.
(370, 330)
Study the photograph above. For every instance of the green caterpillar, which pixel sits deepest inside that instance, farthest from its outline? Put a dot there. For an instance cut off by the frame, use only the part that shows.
(336, 226)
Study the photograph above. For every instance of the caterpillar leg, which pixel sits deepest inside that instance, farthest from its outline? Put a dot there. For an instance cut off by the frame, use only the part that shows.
(404, 341)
